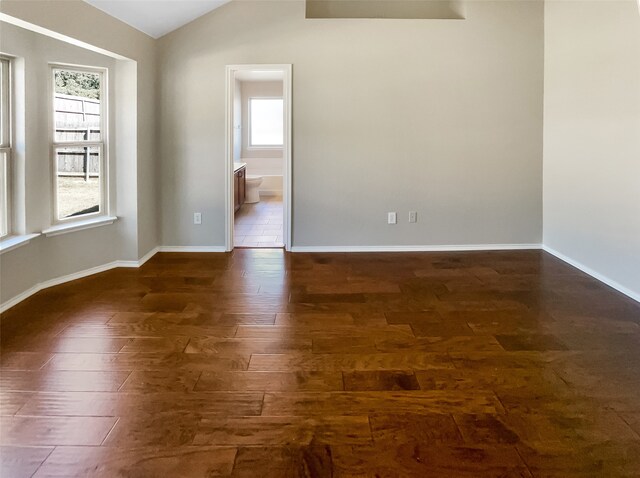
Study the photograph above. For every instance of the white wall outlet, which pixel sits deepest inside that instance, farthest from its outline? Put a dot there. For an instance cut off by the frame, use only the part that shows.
(413, 216)
(197, 218)
(392, 218)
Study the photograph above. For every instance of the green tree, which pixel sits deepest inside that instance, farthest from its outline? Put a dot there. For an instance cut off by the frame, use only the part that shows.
(75, 83)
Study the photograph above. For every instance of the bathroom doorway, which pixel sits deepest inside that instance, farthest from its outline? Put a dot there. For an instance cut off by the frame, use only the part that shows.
(258, 152)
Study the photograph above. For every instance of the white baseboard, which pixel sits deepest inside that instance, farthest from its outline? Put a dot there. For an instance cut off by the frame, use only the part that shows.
(442, 248)
(437, 248)
(19, 298)
(192, 249)
(596, 275)
(57, 281)
(76, 275)
(270, 192)
(147, 256)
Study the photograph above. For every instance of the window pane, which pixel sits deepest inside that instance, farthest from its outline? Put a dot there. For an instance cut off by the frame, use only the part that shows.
(78, 181)
(77, 106)
(4, 103)
(4, 187)
(267, 124)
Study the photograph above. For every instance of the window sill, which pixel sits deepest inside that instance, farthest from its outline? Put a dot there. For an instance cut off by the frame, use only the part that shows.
(79, 225)
(13, 242)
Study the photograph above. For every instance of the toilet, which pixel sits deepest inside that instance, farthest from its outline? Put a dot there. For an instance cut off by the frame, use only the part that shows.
(252, 194)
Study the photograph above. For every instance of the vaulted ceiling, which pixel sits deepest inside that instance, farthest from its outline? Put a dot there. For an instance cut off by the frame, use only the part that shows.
(156, 17)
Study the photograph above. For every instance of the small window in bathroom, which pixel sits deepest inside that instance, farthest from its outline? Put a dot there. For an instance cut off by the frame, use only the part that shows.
(266, 122)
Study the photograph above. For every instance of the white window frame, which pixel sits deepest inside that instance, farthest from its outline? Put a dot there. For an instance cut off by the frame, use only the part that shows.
(6, 140)
(102, 145)
(250, 145)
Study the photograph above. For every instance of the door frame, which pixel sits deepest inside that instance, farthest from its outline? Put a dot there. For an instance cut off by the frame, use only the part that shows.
(231, 71)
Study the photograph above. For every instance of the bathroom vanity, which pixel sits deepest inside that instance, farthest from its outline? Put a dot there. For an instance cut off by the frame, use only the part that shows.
(239, 184)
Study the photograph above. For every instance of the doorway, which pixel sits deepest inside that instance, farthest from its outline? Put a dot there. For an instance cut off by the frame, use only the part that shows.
(258, 156)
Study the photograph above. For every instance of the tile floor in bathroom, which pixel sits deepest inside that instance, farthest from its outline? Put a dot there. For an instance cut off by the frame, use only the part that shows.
(259, 224)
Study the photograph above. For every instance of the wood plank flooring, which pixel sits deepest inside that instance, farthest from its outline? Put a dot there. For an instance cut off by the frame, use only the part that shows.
(265, 364)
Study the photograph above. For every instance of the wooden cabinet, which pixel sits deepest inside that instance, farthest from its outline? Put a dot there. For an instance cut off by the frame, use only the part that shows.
(239, 187)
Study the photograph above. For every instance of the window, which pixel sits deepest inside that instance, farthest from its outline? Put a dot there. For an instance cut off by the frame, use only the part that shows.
(5, 147)
(79, 138)
(266, 122)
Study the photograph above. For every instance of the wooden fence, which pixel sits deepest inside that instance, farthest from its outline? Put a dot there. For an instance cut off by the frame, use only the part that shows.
(77, 119)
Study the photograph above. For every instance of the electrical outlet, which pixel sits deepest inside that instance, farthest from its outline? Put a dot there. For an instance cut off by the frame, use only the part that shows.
(413, 216)
(392, 218)
(197, 218)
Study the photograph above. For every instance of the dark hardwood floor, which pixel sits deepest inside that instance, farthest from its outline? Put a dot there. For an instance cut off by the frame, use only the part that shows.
(266, 364)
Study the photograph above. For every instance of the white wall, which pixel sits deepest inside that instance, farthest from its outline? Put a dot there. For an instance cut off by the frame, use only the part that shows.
(265, 162)
(103, 31)
(68, 253)
(137, 230)
(237, 122)
(592, 137)
(442, 117)
(259, 89)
